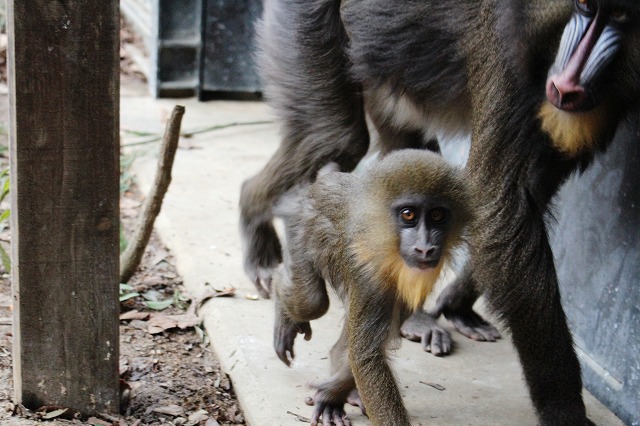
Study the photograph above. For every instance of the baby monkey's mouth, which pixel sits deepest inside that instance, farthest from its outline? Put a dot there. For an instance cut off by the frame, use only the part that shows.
(425, 265)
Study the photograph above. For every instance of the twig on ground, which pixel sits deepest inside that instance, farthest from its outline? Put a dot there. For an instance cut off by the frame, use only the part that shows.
(130, 259)
(433, 385)
(299, 417)
(109, 417)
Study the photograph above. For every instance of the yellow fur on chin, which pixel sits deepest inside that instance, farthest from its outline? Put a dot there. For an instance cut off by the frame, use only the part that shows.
(573, 132)
(412, 285)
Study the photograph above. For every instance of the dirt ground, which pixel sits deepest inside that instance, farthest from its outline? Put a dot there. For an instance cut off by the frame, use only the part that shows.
(169, 375)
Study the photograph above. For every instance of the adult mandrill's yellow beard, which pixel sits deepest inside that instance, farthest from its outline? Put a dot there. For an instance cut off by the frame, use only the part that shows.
(574, 132)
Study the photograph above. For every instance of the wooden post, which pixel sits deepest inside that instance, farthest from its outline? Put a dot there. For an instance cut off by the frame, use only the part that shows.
(64, 86)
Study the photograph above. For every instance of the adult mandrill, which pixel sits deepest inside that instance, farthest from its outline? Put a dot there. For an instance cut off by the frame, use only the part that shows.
(539, 84)
(381, 241)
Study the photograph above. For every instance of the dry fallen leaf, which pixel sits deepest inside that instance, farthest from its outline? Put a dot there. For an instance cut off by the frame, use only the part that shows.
(129, 207)
(160, 322)
(134, 314)
(212, 292)
(139, 324)
(171, 410)
(226, 292)
(187, 320)
(94, 421)
(160, 255)
(124, 366)
(197, 417)
(56, 411)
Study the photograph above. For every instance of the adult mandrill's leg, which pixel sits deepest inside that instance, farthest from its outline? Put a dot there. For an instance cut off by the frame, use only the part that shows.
(513, 173)
(392, 136)
(523, 290)
(296, 161)
(320, 122)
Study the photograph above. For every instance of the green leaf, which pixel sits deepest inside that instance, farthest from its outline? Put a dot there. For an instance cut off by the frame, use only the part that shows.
(159, 305)
(123, 240)
(5, 215)
(128, 296)
(180, 300)
(5, 259)
(152, 295)
(125, 287)
(4, 193)
(181, 297)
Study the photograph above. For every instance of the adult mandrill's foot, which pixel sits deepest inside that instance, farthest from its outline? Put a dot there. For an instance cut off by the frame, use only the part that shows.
(262, 278)
(563, 413)
(262, 255)
(422, 327)
(472, 325)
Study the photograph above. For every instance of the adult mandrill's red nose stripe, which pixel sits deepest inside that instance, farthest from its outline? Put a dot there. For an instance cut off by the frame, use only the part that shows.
(564, 89)
(565, 94)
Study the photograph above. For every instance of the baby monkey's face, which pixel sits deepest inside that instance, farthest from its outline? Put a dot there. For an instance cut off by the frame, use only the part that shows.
(423, 225)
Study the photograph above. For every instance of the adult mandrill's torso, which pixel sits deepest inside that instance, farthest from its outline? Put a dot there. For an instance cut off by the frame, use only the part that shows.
(411, 56)
(405, 55)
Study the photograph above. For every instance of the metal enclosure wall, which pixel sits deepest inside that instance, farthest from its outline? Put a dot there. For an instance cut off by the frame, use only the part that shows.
(198, 47)
(597, 248)
(176, 57)
(228, 56)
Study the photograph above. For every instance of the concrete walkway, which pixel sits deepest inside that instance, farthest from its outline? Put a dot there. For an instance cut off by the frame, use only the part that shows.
(482, 382)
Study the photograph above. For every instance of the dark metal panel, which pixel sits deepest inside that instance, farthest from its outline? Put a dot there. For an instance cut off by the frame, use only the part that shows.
(228, 64)
(597, 249)
(176, 57)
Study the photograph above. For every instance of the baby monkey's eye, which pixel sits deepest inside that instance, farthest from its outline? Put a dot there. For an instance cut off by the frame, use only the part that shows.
(408, 215)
